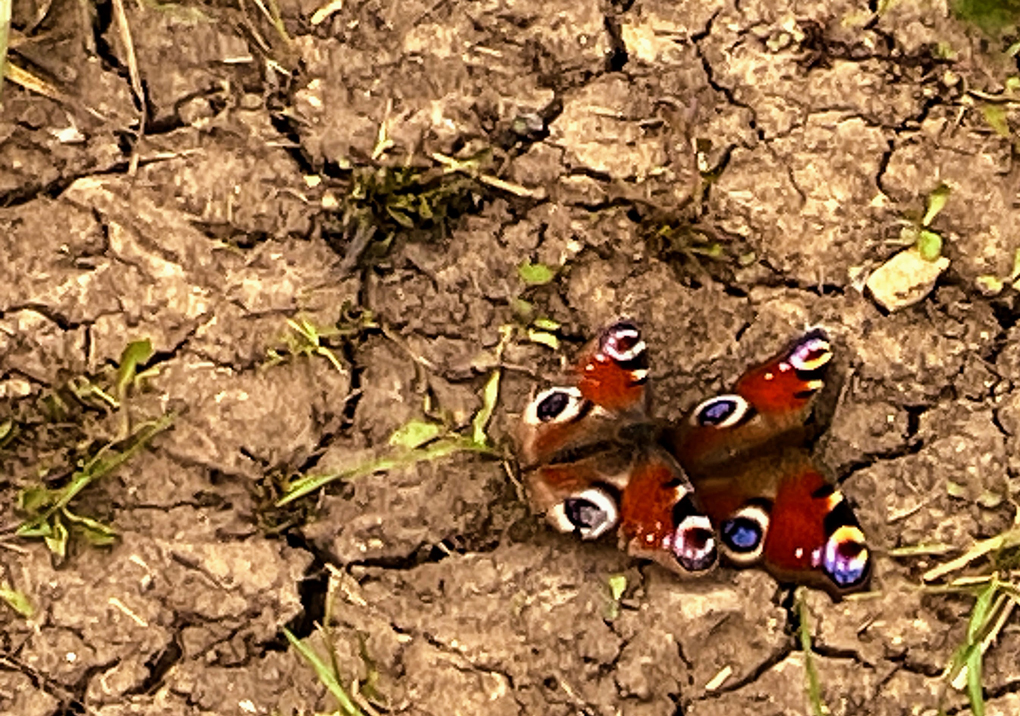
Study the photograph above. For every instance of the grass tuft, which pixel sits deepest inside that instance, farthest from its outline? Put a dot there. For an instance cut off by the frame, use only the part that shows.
(384, 202)
(68, 417)
(417, 441)
(16, 600)
(994, 17)
(994, 580)
(48, 509)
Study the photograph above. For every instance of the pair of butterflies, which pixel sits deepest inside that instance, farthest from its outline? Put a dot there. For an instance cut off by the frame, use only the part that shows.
(735, 477)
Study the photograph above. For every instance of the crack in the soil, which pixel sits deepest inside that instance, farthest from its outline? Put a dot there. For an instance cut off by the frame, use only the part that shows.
(70, 701)
(911, 447)
(312, 589)
(159, 664)
(780, 280)
(617, 57)
(76, 706)
(722, 89)
(445, 648)
(53, 315)
(883, 166)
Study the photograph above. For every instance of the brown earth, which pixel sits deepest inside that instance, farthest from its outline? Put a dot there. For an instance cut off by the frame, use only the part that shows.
(796, 137)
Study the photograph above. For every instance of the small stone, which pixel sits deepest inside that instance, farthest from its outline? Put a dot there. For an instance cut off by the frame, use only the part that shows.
(905, 279)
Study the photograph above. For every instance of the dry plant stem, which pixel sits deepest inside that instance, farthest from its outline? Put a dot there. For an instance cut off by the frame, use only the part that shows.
(454, 165)
(1006, 540)
(5, 26)
(136, 80)
(86, 15)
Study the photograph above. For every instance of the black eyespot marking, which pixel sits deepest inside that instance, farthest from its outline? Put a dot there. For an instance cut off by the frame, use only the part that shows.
(824, 491)
(625, 335)
(591, 513)
(683, 509)
(717, 412)
(583, 514)
(622, 342)
(554, 404)
(694, 545)
(811, 356)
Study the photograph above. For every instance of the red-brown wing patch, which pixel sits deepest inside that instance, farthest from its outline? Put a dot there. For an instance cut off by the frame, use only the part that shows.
(659, 520)
(814, 537)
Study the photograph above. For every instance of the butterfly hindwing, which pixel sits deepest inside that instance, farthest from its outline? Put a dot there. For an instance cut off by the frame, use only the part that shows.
(815, 537)
(592, 464)
(660, 520)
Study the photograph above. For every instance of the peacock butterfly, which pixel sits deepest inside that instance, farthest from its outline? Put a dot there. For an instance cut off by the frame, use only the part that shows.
(736, 471)
(746, 453)
(592, 461)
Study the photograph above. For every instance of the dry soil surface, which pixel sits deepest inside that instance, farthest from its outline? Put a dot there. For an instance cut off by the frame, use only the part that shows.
(726, 172)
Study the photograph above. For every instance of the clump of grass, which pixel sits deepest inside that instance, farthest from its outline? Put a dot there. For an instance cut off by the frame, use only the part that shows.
(419, 440)
(327, 674)
(48, 509)
(354, 702)
(919, 232)
(994, 17)
(104, 444)
(306, 339)
(17, 600)
(696, 245)
(384, 202)
(994, 580)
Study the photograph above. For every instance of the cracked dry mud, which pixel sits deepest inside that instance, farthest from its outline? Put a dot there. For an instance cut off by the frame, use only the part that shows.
(797, 134)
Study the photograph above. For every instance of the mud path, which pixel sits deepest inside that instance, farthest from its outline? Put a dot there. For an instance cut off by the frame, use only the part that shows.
(724, 172)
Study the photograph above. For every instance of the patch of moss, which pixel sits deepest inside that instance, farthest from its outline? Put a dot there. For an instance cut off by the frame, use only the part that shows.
(992, 16)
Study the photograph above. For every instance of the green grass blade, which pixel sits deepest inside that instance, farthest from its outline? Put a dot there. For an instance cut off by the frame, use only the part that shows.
(415, 433)
(936, 203)
(135, 353)
(974, 692)
(814, 686)
(325, 674)
(434, 451)
(979, 619)
(979, 615)
(481, 420)
(1006, 540)
(18, 601)
(969, 654)
(535, 274)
